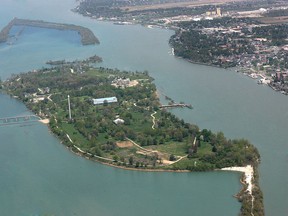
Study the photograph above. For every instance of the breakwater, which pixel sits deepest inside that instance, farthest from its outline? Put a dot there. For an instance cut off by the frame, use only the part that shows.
(87, 36)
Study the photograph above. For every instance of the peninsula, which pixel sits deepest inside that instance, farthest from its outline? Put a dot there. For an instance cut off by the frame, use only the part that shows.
(87, 36)
(115, 117)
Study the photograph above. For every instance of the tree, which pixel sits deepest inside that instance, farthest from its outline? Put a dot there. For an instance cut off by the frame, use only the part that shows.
(172, 157)
(105, 103)
(131, 160)
(137, 164)
(115, 158)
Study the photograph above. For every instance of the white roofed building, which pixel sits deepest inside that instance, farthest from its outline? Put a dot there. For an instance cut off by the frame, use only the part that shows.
(99, 101)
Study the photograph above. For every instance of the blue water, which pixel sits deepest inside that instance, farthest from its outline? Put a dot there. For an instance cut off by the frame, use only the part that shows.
(222, 99)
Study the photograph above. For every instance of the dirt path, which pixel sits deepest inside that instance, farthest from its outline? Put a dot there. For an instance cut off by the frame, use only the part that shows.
(153, 120)
(155, 151)
(180, 158)
(140, 147)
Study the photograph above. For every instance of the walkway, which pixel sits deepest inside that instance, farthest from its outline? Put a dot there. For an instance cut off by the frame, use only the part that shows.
(153, 120)
(155, 151)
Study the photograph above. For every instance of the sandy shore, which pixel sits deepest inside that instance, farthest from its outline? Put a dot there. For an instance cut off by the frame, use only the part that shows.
(248, 171)
(44, 121)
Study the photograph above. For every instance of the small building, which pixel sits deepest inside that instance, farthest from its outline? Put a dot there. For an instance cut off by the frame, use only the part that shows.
(218, 11)
(99, 101)
(42, 91)
(118, 121)
(121, 82)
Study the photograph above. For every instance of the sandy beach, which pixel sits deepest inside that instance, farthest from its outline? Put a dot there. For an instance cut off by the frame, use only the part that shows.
(44, 121)
(248, 171)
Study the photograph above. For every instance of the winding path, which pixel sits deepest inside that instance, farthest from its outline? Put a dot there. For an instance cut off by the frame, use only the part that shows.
(153, 120)
(155, 151)
(140, 147)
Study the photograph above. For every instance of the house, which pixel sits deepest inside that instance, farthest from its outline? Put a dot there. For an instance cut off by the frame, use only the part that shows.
(118, 121)
(99, 101)
(42, 91)
(121, 82)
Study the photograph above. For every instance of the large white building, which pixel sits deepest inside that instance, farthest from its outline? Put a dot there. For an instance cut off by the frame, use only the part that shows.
(102, 100)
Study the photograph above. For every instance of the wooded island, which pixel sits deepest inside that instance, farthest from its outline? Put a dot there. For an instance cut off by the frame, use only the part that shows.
(115, 117)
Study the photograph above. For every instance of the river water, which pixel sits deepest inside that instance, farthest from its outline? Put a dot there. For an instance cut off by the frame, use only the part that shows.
(39, 176)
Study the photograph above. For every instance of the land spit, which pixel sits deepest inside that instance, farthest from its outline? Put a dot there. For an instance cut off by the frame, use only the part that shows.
(87, 36)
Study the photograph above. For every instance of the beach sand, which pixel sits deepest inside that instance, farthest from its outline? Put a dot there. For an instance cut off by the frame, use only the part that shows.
(44, 121)
(248, 171)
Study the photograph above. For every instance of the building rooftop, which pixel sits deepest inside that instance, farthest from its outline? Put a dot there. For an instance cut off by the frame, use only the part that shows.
(102, 100)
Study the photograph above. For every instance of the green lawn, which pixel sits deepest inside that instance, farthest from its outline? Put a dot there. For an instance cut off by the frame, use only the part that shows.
(182, 164)
(74, 134)
(204, 149)
(95, 72)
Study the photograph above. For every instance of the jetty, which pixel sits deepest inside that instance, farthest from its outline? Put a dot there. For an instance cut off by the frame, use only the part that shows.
(181, 105)
(87, 36)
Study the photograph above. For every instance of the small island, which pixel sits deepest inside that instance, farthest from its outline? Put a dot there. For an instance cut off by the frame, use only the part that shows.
(87, 36)
(116, 118)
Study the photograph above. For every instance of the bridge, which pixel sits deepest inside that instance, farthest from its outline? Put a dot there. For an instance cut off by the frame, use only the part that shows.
(18, 119)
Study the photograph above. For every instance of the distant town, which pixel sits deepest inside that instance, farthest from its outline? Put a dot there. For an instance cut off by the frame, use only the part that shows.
(251, 37)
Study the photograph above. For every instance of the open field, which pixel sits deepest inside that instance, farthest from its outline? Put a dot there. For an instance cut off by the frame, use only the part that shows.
(196, 3)
(124, 144)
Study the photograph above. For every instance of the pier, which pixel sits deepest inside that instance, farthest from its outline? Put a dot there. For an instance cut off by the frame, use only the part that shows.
(18, 119)
(175, 105)
(87, 36)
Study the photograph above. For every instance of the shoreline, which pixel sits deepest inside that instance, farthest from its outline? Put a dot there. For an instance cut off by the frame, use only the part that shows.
(248, 173)
(247, 200)
(44, 121)
(87, 36)
(81, 154)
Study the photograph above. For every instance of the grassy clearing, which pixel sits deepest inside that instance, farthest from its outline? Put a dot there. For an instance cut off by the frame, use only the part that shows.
(175, 148)
(204, 149)
(74, 134)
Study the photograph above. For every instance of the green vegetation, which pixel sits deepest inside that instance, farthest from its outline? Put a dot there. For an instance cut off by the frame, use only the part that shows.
(94, 131)
(277, 34)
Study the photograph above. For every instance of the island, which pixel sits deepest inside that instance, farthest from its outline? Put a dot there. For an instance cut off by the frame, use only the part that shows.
(116, 118)
(87, 36)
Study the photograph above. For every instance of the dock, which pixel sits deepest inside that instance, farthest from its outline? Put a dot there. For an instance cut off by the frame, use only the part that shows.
(175, 105)
(18, 119)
